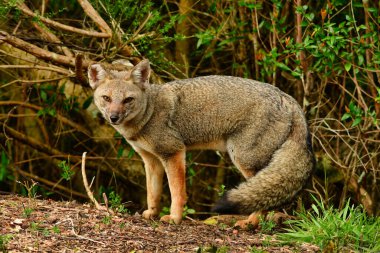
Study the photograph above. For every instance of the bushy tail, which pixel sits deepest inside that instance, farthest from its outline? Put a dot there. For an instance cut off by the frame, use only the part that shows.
(285, 175)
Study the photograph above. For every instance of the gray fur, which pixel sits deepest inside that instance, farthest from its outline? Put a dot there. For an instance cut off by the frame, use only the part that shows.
(263, 129)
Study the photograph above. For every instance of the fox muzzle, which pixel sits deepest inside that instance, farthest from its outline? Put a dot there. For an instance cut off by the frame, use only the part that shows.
(114, 118)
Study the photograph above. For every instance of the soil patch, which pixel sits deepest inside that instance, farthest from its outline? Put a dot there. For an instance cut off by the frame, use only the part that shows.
(34, 225)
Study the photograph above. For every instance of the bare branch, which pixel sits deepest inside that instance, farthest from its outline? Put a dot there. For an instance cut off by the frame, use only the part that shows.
(55, 24)
(39, 52)
(54, 69)
(94, 15)
(49, 36)
(58, 116)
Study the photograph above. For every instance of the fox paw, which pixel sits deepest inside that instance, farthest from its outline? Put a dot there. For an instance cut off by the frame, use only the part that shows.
(254, 219)
(171, 219)
(149, 214)
(251, 223)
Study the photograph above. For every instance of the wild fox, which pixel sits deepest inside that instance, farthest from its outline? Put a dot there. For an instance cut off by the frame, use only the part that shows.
(263, 130)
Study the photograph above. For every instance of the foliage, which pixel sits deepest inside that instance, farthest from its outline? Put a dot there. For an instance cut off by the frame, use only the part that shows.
(66, 171)
(115, 202)
(27, 212)
(4, 239)
(267, 226)
(349, 229)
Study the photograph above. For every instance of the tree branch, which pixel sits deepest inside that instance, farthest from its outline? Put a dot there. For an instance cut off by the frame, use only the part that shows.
(48, 35)
(94, 15)
(39, 52)
(58, 70)
(58, 116)
(55, 24)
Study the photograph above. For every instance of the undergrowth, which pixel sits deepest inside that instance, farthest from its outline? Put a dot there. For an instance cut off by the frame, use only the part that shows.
(348, 229)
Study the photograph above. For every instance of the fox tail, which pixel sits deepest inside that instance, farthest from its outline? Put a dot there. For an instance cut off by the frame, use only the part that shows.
(277, 183)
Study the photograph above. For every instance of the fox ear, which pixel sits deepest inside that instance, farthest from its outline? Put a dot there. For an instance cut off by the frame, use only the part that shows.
(140, 74)
(96, 73)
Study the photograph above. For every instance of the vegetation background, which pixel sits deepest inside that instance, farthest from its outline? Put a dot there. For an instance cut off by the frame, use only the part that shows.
(324, 53)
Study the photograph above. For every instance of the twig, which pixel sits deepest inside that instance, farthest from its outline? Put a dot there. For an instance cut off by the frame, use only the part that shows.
(302, 86)
(85, 184)
(81, 236)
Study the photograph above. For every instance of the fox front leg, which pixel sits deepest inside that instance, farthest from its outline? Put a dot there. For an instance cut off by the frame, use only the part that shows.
(175, 170)
(154, 176)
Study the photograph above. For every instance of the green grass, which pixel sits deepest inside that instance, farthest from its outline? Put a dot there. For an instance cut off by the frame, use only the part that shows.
(4, 239)
(339, 230)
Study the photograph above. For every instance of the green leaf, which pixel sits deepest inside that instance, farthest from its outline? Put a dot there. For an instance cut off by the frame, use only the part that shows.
(131, 153)
(87, 102)
(199, 43)
(345, 116)
(120, 152)
(3, 165)
(43, 95)
(347, 66)
(360, 60)
(52, 112)
(212, 221)
(283, 66)
(356, 121)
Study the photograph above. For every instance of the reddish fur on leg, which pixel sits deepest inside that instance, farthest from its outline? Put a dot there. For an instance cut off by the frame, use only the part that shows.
(251, 222)
(175, 170)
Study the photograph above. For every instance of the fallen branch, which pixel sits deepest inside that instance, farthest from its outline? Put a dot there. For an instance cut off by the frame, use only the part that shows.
(81, 236)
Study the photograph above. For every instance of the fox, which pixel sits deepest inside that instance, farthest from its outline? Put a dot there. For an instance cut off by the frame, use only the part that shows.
(263, 130)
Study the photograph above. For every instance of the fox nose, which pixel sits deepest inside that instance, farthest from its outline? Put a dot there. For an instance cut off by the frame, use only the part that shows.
(114, 118)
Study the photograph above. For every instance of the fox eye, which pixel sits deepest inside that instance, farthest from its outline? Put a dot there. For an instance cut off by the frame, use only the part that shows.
(128, 100)
(106, 98)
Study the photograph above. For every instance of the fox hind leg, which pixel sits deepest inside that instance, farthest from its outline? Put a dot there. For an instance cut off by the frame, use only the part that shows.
(248, 159)
(251, 222)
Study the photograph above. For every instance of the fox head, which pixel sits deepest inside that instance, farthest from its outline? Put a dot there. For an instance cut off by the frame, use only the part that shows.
(120, 95)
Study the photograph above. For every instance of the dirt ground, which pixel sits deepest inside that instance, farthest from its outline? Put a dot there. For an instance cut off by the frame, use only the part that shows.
(33, 225)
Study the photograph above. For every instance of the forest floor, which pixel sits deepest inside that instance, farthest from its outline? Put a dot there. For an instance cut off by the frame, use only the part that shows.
(34, 225)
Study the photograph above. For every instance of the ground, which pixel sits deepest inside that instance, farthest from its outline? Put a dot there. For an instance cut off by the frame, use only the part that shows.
(34, 225)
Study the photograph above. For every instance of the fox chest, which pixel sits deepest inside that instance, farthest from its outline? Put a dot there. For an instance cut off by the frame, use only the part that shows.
(142, 144)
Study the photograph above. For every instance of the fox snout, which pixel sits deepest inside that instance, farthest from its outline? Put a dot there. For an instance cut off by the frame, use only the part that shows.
(116, 113)
(114, 118)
